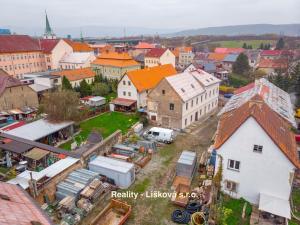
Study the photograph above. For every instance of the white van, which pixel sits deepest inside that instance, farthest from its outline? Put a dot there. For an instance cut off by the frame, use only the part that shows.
(160, 134)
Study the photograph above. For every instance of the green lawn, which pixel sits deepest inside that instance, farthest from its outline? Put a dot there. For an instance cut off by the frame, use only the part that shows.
(236, 205)
(236, 80)
(106, 124)
(239, 43)
(4, 170)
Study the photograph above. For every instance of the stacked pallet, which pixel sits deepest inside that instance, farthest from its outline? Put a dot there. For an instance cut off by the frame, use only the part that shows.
(93, 190)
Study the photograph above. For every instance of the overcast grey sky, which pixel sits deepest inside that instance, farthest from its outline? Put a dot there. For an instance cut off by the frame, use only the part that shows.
(148, 13)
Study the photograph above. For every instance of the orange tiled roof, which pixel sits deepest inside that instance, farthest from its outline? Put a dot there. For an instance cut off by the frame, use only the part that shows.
(79, 46)
(217, 56)
(115, 55)
(277, 128)
(144, 45)
(77, 74)
(148, 78)
(181, 49)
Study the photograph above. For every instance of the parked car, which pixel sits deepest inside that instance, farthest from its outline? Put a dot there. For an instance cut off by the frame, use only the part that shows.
(160, 134)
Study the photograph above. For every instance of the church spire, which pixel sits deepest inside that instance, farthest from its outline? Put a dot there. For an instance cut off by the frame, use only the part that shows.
(48, 31)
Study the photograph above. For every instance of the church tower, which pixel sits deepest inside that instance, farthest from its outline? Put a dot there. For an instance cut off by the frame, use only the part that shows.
(49, 34)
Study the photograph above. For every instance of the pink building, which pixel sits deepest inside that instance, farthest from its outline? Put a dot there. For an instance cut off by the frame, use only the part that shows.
(20, 54)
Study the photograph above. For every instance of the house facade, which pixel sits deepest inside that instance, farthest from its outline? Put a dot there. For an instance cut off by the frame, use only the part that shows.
(21, 54)
(179, 100)
(54, 50)
(258, 154)
(159, 56)
(14, 94)
(113, 65)
(135, 85)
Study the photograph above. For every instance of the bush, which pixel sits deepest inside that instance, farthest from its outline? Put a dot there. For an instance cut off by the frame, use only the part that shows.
(100, 89)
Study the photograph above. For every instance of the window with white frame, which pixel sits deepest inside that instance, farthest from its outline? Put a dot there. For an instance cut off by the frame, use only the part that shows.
(233, 165)
(231, 186)
(257, 148)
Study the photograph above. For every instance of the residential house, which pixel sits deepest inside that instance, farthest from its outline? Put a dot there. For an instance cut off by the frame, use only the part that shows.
(229, 60)
(271, 66)
(270, 54)
(141, 48)
(185, 58)
(76, 60)
(113, 65)
(216, 57)
(101, 48)
(159, 56)
(179, 100)
(253, 57)
(77, 75)
(14, 94)
(17, 207)
(136, 84)
(54, 50)
(21, 54)
(258, 154)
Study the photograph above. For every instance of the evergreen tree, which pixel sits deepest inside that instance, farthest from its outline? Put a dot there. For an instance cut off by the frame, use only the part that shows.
(66, 85)
(261, 46)
(245, 46)
(84, 88)
(280, 44)
(100, 89)
(249, 47)
(241, 65)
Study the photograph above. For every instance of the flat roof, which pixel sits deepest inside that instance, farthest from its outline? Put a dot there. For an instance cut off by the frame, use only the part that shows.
(36, 154)
(38, 129)
(112, 164)
(15, 147)
(51, 171)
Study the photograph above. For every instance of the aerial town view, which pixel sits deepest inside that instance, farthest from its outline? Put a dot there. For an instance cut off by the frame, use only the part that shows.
(152, 112)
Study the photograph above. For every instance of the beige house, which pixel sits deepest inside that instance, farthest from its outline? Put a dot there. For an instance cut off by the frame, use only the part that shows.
(54, 50)
(77, 75)
(20, 54)
(159, 56)
(179, 100)
(14, 94)
(113, 65)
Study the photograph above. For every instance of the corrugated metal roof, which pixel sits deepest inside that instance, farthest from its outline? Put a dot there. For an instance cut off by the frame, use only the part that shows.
(230, 58)
(112, 164)
(51, 171)
(38, 129)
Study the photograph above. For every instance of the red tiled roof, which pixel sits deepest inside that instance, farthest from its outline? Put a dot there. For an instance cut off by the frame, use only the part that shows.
(270, 52)
(7, 81)
(244, 88)
(18, 43)
(156, 52)
(229, 50)
(79, 46)
(19, 208)
(123, 101)
(48, 44)
(76, 74)
(276, 127)
(273, 63)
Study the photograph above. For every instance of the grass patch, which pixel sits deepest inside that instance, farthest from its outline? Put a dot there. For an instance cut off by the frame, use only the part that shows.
(236, 205)
(4, 170)
(142, 186)
(106, 124)
(236, 80)
(239, 43)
